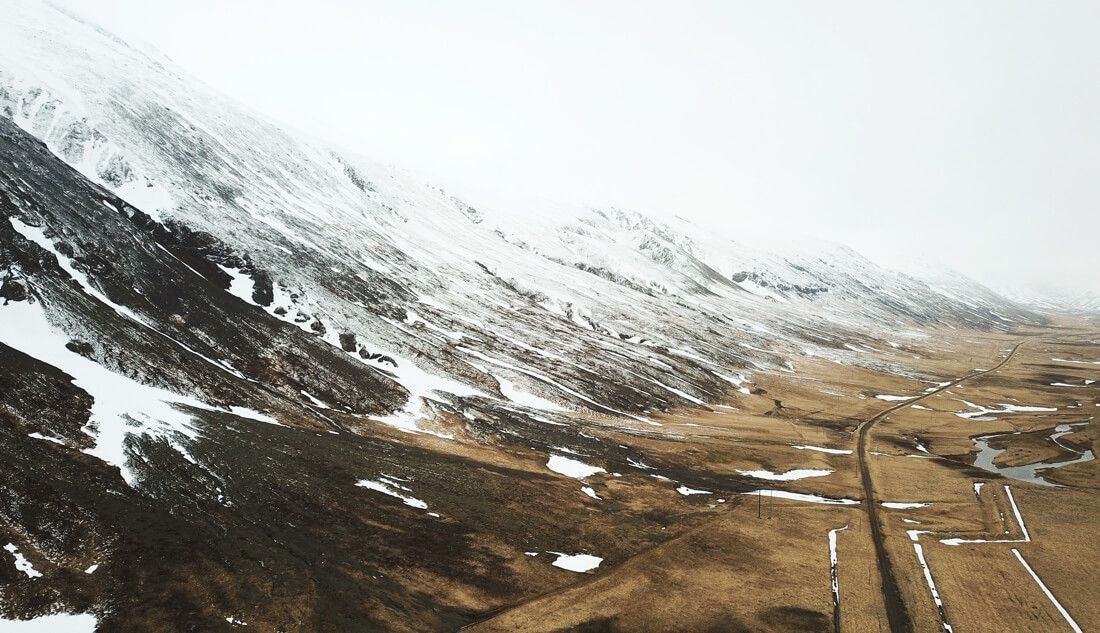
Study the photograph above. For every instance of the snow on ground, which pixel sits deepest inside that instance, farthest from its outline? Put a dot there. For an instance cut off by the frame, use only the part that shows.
(21, 562)
(937, 385)
(525, 398)
(314, 401)
(251, 414)
(914, 535)
(981, 411)
(833, 567)
(571, 467)
(412, 318)
(56, 623)
(579, 563)
(552, 383)
(39, 436)
(420, 384)
(591, 492)
(790, 475)
(1058, 605)
(1081, 362)
(821, 449)
(389, 486)
(151, 197)
(684, 490)
(36, 235)
(240, 285)
(121, 406)
(1019, 521)
(897, 505)
(685, 396)
(890, 398)
(799, 496)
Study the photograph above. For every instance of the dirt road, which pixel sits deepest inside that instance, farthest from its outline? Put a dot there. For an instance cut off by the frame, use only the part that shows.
(896, 612)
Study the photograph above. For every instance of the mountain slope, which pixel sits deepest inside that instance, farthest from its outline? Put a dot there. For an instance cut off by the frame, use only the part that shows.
(212, 331)
(192, 464)
(371, 253)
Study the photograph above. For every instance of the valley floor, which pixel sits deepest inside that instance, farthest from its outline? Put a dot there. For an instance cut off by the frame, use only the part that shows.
(1024, 555)
(749, 516)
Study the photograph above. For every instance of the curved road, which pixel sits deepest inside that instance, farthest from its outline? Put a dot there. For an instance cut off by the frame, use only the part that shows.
(896, 612)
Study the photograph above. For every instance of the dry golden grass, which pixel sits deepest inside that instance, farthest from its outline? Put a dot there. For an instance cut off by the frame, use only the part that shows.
(716, 567)
(733, 573)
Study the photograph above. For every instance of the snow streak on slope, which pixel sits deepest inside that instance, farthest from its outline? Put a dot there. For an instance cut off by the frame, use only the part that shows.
(401, 273)
(121, 406)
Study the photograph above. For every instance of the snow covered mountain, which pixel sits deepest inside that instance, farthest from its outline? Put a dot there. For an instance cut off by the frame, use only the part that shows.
(1053, 300)
(217, 286)
(401, 269)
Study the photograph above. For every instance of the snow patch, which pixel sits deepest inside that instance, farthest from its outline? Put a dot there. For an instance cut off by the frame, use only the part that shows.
(807, 498)
(790, 475)
(821, 449)
(913, 536)
(1081, 362)
(525, 398)
(1019, 521)
(684, 490)
(833, 560)
(579, 563)
(21, 562)
(320, 404)
(982, 411)
(39, 436)
(55, 623)
(571, 467)
(241, 285)
(388, 486)
(591, 492)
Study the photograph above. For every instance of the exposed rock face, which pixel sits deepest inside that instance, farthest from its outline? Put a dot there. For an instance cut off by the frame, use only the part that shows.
(12, 289)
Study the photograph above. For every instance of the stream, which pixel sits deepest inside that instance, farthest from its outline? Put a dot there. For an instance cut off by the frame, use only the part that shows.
(1029, 472)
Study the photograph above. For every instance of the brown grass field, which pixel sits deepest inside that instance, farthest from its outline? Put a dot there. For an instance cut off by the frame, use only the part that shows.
(717, 566)
(729, 559)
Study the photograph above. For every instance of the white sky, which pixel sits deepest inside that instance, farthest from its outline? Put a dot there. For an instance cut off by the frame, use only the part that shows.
(965, 133)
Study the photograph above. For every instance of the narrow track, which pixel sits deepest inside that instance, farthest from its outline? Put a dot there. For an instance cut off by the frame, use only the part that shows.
(896, 613)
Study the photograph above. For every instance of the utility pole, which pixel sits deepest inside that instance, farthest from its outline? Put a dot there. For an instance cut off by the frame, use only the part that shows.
(758, 502)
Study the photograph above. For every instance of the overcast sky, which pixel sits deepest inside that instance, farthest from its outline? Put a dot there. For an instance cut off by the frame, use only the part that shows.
(965, 133)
